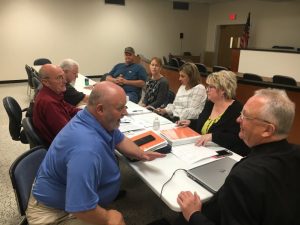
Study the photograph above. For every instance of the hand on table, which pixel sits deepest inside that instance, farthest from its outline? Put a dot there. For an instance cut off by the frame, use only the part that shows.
(149, 156)
(204, 139)
(189, 203)
(183, 123)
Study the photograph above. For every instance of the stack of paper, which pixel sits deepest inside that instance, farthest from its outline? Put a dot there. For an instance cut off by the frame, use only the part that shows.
(180, 135)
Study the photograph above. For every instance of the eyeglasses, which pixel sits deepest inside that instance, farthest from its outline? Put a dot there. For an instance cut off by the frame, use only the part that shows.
(243, 117)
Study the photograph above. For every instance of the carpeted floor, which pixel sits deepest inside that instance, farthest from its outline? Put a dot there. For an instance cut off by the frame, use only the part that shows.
(139, 206)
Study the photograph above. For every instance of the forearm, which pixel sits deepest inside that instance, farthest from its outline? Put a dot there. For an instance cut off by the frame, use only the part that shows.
(128, 148)
(101, 216)
(110, 78)
(136, 83)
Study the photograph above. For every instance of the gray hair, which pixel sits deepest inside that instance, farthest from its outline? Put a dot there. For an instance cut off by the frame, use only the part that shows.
(224, 80)
(68, 64)
(278, 109)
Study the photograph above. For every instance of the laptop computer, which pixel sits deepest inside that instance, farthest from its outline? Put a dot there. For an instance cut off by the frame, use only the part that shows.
(212, 175)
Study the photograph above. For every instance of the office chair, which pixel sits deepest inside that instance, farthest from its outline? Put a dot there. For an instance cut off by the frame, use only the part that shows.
(22, 173)
(170, 99)
(280, 79)
(252, 76)
(29, 76)
(219, 68)
(41, 61)
(14, 113)
(32, 136)
(37, 84)
(165, 60)
(174, 62)
(202, 69)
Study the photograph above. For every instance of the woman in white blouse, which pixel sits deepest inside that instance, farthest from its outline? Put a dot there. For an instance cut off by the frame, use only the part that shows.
(190, 98)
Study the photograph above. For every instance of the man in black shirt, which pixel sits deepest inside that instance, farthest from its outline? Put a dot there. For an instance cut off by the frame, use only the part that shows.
(263, 188)
(72, 96)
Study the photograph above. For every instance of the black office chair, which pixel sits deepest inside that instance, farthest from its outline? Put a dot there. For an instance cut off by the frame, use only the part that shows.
(219, 68)
(174, 62)
(14, 113)
(202, 69)
(41, 61)
(33, 138)
(22, 173)
(252, 76)
(280, 79)
(165, 60)
(37, 84)
(29, 76)
(170, 99)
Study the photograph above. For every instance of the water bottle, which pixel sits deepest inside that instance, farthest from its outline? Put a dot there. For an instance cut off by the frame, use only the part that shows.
(156, 124)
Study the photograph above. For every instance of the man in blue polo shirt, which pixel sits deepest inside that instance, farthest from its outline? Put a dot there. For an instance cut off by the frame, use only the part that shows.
(129, 75)
(80, 175)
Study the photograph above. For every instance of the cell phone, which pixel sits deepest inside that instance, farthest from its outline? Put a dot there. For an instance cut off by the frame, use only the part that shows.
(223, 152)
(144, 140)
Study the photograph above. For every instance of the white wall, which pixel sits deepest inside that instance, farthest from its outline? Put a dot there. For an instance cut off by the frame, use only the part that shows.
(272, 23)
(93, 33)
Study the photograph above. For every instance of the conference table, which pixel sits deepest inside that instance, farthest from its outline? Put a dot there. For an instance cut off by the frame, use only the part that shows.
(159, 171)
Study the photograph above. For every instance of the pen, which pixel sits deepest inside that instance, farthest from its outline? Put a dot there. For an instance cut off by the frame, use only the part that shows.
(139, 110)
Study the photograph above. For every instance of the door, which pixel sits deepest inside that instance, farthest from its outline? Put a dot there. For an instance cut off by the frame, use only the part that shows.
(224, 50)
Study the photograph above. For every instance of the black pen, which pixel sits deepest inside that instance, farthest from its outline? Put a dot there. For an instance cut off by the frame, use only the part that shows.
(138, 110)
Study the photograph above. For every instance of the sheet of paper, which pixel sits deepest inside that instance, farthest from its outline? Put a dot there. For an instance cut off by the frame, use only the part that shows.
(134, 109)
(128, 124)
(147, 121)
(191, 153)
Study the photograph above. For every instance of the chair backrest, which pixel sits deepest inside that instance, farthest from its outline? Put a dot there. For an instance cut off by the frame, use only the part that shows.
(29, 75)
(41, 61)
(174, 62)
(33, 138)
(280, 79)
(165, 60)
(37, 84)
(14, 113)
(22, 173)
(219, 68)
(170, 98)
(202, 68)
(252, 76)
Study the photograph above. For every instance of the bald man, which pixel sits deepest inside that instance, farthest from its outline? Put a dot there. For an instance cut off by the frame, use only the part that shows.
(80, 176)
(50, 112)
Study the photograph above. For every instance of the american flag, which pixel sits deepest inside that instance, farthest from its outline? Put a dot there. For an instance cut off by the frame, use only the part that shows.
(245, 37)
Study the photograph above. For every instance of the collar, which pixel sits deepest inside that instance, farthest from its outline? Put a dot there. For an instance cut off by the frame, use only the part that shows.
(86, 117)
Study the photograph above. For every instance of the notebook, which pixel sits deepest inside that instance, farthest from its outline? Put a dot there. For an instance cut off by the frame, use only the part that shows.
(212, 175)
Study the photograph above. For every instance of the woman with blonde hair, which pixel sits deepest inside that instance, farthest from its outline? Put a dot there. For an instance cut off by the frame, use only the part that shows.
(217, 121)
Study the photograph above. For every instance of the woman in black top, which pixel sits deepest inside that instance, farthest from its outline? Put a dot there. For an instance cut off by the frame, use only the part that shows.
(157, 86)
(217, 122)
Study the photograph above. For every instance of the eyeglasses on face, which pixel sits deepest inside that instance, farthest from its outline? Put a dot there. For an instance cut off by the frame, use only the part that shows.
(244, 117)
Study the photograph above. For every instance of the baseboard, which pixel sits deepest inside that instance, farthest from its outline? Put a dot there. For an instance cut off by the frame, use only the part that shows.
(12, 81)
